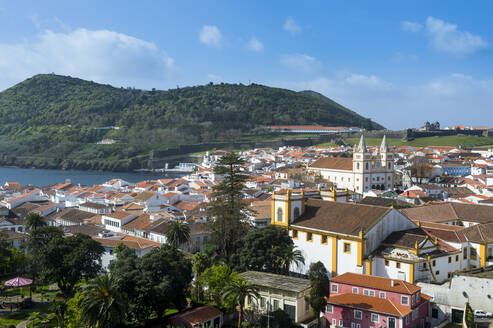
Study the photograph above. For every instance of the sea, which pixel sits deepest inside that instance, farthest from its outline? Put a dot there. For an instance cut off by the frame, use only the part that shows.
(43, 177)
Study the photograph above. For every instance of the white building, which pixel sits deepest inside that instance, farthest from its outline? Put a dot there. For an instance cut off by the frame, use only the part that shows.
(361, 173)
(343, 236)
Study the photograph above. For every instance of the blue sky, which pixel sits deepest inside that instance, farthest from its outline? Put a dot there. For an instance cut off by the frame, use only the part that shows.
(398, 62)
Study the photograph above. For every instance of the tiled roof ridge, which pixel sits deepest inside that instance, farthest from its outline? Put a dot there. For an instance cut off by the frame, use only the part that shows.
(395, 307)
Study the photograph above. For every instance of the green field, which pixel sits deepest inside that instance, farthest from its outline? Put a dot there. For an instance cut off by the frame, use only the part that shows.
(450, 141)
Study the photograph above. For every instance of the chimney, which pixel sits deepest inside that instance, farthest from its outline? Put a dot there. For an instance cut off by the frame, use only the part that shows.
(392, 283)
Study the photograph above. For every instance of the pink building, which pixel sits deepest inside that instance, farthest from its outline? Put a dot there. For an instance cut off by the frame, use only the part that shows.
(362, 301)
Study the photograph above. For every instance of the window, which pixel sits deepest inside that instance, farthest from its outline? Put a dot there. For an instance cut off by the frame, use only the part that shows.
(357, 166)
(347, 248)
(389, 168)
(324, 239)
(307, 306)
(309, 236)
(334, 322)
(404, 300)
(473, 253)
(296, 212)
(340, 323)
(449, 275)
(465, 252)
(374, 317)
(412, 299)
(353, 325)
(415, 314)
(386, 262)
(355, 290)
(407, 319)
(434, 313)
(262, 302)
(424, 265)
(329, 308)
(358, 314)
(335, 288)
(279, 214)
(437, 272)
(450, 259)
(366, 166)
(457, 258)
(398, 265)
(369, 292)
(295, 234)
(382, 295)
(434, 263)
(276, 304)
(358, 325)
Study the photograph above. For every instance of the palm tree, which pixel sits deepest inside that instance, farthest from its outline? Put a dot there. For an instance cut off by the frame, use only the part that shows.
(292, 256)
(102, 305)
(34, 221)
(177, 233)
(238, 291)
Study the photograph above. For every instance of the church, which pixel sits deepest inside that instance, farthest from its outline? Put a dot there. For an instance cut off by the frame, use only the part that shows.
(363, 172)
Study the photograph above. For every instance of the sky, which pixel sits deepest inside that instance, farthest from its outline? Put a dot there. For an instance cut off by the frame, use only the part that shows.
(400, 63)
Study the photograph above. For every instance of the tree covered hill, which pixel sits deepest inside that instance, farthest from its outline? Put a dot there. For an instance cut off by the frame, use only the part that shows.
(52, 115)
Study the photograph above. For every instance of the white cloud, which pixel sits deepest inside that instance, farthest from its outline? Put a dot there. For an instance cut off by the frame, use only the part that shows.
(291, 26)
(211, 36)
(102, 56)
(443, 99)
(255, 45)
(411, 26)
(446, 37)
(301, 62)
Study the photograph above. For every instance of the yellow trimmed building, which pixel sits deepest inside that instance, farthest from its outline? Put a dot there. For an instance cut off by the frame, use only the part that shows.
(341, 235)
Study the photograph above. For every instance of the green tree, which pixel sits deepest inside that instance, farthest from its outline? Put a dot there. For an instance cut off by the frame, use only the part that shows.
(200, 262)
(229, 224)
(215, 279)
(165, 279)
(125, 269)
(34, 221)
(319, 282)
(102, 305)
(73, 317)
(177, 233)
(269, 249)
(69, 260)
(60, 310)
(37, 243)
(4, 253)
(238, 291)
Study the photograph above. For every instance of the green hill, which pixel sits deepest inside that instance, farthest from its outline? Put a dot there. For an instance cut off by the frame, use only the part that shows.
(58, 116)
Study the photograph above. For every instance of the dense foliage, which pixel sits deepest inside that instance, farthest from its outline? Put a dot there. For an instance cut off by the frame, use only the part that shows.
(269, 249)
(56, 117)
(152, 283)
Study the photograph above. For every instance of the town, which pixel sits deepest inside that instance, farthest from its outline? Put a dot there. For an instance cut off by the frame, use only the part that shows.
(322, 236)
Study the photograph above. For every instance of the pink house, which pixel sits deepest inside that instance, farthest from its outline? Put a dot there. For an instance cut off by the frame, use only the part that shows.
(362, 301)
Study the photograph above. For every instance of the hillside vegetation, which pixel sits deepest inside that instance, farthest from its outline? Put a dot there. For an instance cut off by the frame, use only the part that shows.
(52, 116)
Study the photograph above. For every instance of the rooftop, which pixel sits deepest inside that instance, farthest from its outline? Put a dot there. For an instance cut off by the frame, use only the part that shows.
(376, 282)
(344, 218)
(276, 281)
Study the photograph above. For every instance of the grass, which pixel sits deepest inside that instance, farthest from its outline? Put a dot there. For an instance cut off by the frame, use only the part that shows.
(13, 318)
(326, 144)
(446, 141)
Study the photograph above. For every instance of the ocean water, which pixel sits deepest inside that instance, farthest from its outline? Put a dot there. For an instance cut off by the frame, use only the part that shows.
(43, 177)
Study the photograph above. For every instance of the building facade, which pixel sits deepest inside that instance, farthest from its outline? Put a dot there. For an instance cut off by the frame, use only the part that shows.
(363, 172)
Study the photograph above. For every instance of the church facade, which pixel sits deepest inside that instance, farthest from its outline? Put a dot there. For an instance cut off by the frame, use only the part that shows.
(361, 173)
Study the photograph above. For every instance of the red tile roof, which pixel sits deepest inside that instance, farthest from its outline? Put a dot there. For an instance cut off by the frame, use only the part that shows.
(369, 303)
(381, 283)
